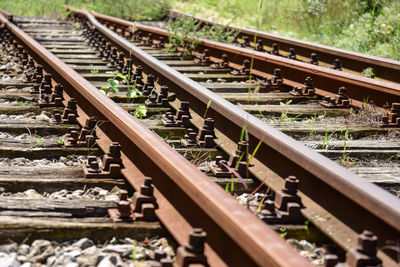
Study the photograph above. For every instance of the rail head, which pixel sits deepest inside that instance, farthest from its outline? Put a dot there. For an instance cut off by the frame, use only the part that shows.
(258, 242)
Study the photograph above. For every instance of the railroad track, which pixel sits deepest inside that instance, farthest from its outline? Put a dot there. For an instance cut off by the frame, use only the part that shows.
(338, 130)
(204, 204)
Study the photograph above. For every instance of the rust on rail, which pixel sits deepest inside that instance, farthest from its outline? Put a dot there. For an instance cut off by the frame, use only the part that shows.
(235, 237)
(339, 190)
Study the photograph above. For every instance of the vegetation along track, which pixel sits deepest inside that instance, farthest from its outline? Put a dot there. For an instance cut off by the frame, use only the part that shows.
(208, 206)
(312, 53)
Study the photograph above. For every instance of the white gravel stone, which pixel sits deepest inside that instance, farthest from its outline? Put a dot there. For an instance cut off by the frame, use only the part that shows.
(9, 260)
(113, 260)
(42, 117)
(90, 250)
(24, 249)
(84, 243)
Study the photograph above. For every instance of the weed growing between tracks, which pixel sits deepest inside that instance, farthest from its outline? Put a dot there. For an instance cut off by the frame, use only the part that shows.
(186, 33)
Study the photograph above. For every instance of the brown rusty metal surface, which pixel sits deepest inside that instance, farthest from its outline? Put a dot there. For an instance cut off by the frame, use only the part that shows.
(384, 68)
(358, 203)
(233, 233)
(7, 15)
(325, 80)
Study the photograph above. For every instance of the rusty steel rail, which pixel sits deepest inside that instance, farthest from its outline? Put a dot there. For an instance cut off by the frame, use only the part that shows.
(186, 197)
(294, 73)
(6, 14)
(358, 203)
(384, 68)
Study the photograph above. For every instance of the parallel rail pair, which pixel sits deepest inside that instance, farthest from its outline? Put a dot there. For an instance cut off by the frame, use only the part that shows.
(173, 178)
(281, 154)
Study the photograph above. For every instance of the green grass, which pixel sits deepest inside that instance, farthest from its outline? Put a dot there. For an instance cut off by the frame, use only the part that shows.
(366, 26)
(131, 9)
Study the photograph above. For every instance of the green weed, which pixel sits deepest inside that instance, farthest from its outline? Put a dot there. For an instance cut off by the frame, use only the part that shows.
(186, 33)
(140, 112)
(207, 107)
(285, 118)
(77, 25)
(133, 253)
(282, 232)
(114, 240)
(368, 72)
(310, 125)
(260, 206)
(306, 226)
(327, 140)
(112, 87)
(39, 142)
(345, 160)
(22, 103)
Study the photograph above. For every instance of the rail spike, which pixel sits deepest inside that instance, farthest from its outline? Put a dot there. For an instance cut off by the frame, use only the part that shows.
(363, 255)
(275, 82)
(286, 206)
(306, 90)
(203, 58)
(224, 63)
(86, 138)
(68, 116)
(158, 99)
(111, 167)
(181, 119)
(237, 160)
(341, 100)
(193, 253)
(141, 208)
(392, 119)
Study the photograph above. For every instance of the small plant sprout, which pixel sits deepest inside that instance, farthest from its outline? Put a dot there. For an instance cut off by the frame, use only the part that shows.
(282, 232)
(327, 140)
(140, 112)
(368, 72)
(285, 118)
(230, 187)
(77, 25)
(310, 124)
(345, 159)
(114, 240)
(208, 106)
(260, 206)
(255, 151)
(365, 102)
(134, 251)
(251, 68)
(306, 226)
(22, 103)
(112, 87)
(39, 141)
(94, 71)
